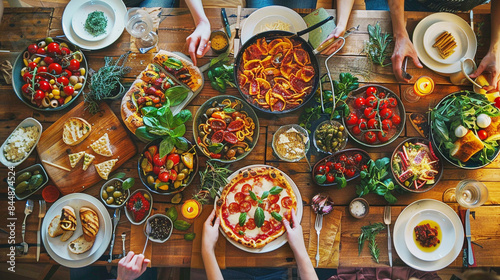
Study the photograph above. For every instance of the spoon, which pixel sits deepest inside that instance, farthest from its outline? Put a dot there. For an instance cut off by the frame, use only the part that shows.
(148, 231)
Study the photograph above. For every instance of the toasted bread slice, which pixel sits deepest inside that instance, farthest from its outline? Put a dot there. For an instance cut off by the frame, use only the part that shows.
(102, 146)
(104, 168)
(75, 131)
(66, 235)
(466, 147)
(493, 129)
(54, 229)
(75, 158)
(68, 218)
(90, 223)
(80, 245)
(87, 160)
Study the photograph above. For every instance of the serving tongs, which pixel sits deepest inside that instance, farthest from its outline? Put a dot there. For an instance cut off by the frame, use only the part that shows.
(321, 48)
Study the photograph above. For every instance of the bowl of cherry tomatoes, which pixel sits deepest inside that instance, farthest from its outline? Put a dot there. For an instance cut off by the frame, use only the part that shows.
(341, 167)
(49, 74)
(377, 116)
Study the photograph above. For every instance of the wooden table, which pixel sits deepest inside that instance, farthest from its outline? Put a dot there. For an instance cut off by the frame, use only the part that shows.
(24, 25)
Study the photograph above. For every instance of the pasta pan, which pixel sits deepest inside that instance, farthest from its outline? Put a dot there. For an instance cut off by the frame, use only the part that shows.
(271, 102)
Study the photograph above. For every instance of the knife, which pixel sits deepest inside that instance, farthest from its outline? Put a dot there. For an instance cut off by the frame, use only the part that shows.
(225, 22)
(236, 41)
(116, 219)
(470, 255)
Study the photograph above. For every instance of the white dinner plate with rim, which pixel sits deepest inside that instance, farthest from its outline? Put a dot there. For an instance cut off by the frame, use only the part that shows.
(79, 19)
(280, 241)
(437, 29)
(59, 250)
(250, 26)
(74, 6)
(451, 19)
(399, 232)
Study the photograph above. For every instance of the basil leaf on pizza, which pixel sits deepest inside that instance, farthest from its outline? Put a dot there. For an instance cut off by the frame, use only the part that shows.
(259, 217)
(242, 219)
(277, 216)
(253, 196)
(275, 190)
(265, 195)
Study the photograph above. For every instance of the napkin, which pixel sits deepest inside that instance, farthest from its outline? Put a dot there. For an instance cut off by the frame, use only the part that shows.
(154, 12)
(329, 244)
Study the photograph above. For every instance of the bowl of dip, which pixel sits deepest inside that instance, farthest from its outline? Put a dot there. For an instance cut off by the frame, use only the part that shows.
(219, 41)
(291, 142)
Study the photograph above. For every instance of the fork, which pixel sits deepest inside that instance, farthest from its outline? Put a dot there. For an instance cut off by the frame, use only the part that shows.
(41, 214)
(387, 221)
(27, 211)
(317, 226)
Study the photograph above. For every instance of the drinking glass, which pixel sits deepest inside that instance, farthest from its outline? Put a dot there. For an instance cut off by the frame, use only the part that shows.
(140, 26)
(471, 193)
(422, 87)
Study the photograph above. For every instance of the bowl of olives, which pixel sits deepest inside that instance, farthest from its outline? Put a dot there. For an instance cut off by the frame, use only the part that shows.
(29, 181)
(329, 137)
(113, 194)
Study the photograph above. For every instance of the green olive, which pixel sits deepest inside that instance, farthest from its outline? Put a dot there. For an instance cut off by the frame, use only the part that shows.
(180, 166)
(169, 164)
(110, 200)
(36, 172)
(185, 171)
(104, 195)
(146, 196)
(181, 176)
(151, 180)
(177, 183)
(21, 187)
(110, 189)
(23, 177)
(117, 194)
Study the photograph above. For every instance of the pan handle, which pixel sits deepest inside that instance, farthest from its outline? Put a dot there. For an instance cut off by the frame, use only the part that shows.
(309, 29)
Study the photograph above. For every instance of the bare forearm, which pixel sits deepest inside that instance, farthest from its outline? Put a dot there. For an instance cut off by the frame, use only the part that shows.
(304, 265)
(211, 266)
(397, 10)
(196, 9)
(344, 8)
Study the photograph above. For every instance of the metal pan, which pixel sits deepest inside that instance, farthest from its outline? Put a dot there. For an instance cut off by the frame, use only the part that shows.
(276, 34)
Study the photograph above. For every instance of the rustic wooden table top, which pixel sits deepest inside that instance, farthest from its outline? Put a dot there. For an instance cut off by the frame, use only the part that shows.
(21, 26)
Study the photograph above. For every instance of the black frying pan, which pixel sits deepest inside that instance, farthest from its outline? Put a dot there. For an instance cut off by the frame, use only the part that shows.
(276, 34)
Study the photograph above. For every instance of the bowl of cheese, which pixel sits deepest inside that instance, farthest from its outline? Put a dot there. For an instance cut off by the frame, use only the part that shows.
(291, 142)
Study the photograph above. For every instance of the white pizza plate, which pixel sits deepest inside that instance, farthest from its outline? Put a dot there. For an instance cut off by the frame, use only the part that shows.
(399, 235)
(450, 19)
(437, 29)
(79, 19)
(252, 24)
(58, 250)
(74, 8)
(280, 241)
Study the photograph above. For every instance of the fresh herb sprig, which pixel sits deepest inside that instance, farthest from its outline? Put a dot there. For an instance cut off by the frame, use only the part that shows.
(369, 233)
(220, 74)
(212, 180)
(376, 179)
(377, 47)
(106, 82)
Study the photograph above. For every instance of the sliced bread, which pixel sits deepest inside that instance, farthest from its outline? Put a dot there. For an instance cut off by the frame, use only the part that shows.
(80, 245)
(75, 131)
(75, 158)
(54, 229)
(66, 235)
(104, 168)
(102, 146)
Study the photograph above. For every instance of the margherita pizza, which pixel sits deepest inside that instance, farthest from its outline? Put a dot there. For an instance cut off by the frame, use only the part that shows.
(253, 205)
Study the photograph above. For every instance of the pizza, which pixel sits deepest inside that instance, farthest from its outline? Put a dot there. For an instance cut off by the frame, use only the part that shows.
(253, 205)
(182, 69)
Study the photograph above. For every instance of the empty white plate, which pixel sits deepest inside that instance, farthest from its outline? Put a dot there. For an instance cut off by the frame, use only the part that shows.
(79, 19)
(437, 29)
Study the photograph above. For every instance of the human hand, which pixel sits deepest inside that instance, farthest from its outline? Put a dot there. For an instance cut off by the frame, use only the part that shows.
(132, 266)
(210, 232)
(294, 233)
(336, 33)
(198, 42)
(490, 64)
(403, 48)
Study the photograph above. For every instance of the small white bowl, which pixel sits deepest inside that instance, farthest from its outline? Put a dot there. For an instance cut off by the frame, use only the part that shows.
(25, 123)
(169, 233)
(129, 215)
(447, 240)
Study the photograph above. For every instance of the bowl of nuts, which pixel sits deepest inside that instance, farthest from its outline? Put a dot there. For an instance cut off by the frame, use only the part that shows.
(113, 193)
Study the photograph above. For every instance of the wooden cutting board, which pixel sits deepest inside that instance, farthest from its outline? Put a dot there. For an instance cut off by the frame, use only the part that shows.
(52, 148)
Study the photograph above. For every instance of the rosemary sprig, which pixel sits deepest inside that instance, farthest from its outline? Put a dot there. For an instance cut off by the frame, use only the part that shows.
(105, 82)
(213, 178)
(369, 233)
(377, 46)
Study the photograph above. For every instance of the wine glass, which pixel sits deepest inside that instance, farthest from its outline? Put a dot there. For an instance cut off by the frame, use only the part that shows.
(140, 26)
(422, 87)
(471, 193)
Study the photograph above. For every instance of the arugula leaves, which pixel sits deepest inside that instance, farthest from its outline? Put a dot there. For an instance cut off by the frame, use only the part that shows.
(376, 179)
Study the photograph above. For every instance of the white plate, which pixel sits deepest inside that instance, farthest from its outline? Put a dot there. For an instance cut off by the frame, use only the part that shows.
(74, 7)
(265, 22)
(399, 235)
(447, 235)
(437, 29)
(451, 19)
(79, 19)
(251, 25)
(59, 250)
(28, 122)
(280, 241)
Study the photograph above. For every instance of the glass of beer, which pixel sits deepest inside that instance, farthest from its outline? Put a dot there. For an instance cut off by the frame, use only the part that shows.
(422, 87)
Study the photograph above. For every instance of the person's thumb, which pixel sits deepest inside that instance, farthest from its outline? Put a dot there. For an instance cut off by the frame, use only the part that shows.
(478, 71)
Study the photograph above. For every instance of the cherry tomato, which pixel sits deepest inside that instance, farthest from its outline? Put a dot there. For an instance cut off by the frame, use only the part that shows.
(39, 95)
(48, 60)
(359, 103)
(350, 161)
(27, 77)
(386, 113)
(352, 119)
(158, 161)
(156, 169)
(343, 158)
(330, 178)
(65, 51)
(370, 113)
(42, 69)
(358, 158)
(355, 130)
(497, 102)
(41, 51)
(386, 124)
(63, 80)
(53, 48)
(337, 166)
(68, 73)
(33, 48)
(55, 68)
(371, 91)
(26, 88)
(350, 172)
(372, 123)
(383, 136)
(173, 175)
(364, 167)
(32, 66)
(175, 158)
(327, 169)
(74, 65)
(392, 102)
(362, 123)
(371, 101)
(69, 90)
(396, 120)
(320, 170)
(370, 137)
(330, 165)
(213, 155)
(163, 176)
(381, 95)
(44, 85)
(382, 104)
(482, 134)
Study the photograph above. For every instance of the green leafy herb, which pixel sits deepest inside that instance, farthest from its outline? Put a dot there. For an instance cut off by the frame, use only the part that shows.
(369, 233)
(118, 175)
(173, 63)
(128, 183)
(176, 94)
(265, 194)
(275, 190)
(259, 217)
(96, 23)
(212, 180)
(221, 75)
(376, 179)
(242, 219)
(240, 232)
(277, 216)
(377, 48)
